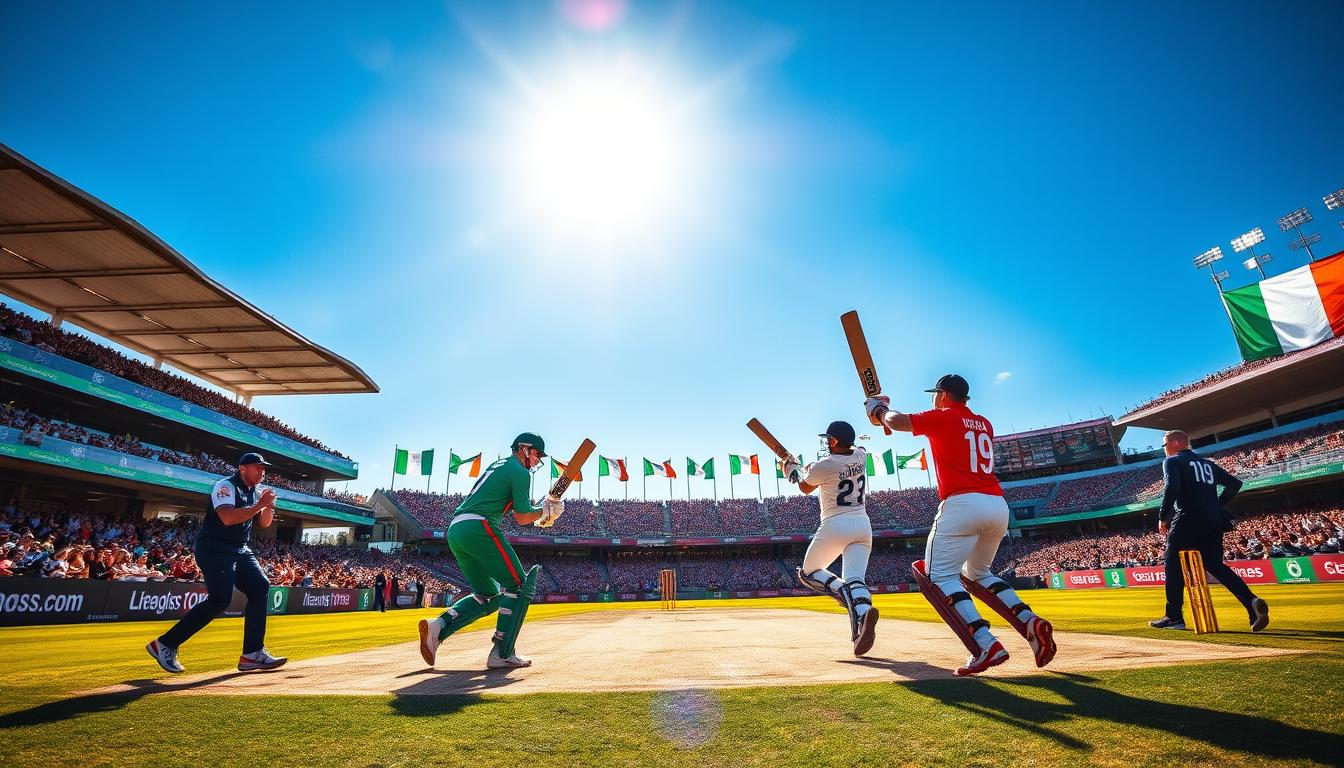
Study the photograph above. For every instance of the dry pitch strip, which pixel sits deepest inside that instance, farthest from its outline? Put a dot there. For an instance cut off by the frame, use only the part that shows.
(695, 649)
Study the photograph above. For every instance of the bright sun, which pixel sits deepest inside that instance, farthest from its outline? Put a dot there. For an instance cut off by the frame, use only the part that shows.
(601, 154)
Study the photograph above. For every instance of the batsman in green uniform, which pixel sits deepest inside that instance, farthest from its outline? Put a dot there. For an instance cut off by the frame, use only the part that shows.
(498, 580)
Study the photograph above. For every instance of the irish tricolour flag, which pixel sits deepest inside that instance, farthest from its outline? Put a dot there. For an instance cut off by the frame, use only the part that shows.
(738, 464)
(1288, 312)
(609, 467)
(661, 468)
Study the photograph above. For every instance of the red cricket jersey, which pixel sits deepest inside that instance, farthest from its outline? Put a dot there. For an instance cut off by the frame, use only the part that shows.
(963, 450)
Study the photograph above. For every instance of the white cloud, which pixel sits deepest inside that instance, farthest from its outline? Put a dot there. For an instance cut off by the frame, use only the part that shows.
(1002, 376)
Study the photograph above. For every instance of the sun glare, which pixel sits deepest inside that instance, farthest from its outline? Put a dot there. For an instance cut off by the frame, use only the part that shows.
(601, 154)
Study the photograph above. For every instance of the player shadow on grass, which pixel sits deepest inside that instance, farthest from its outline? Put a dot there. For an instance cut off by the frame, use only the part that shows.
(98, 703)
(913, 670)
(437, 692)
(1085, 697)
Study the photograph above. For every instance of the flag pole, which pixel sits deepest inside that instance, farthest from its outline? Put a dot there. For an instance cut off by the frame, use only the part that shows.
(731, 491)
(449, 481)
(627, 477)
(779, 469)
(644, 481)
(599, 480)
(395, 448)
(688, 482)
(759, 493)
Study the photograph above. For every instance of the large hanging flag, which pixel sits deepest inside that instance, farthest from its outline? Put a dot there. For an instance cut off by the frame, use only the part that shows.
(916, 460)
(887, 466)
(779, 466)
(472, 463)
(558, 468)
(413, 462)
(661, 468)
(705, 470)
(1288, 312)
(738, 465)
(608, 467)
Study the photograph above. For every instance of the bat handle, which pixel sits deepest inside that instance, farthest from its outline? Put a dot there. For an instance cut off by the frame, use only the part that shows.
(886, 429)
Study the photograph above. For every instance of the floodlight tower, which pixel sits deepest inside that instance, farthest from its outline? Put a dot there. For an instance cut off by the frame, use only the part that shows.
(1334, 201)
(1247, 242)
(1206, 259)
(1294, 221)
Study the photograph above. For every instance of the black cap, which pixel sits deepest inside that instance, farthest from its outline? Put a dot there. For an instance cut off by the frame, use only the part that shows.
(953, 385)
(253, 458)
(840, 430)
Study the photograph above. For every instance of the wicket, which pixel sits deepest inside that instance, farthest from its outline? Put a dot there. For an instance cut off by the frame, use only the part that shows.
(667, 589)
(1197, 587)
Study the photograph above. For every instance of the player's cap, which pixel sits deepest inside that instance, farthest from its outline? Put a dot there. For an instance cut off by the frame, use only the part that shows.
(840, 430)
(253, 458)
(953, 385)
(531, 440)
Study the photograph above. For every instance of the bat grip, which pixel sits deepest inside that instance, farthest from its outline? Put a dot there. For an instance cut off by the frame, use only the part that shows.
(886, 429)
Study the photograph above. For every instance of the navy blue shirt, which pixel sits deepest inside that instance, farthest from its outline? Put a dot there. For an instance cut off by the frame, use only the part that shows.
(234, 493)
(1192, 490)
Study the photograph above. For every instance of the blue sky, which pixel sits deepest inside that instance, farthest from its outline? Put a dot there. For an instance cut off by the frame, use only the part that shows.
(996, 189)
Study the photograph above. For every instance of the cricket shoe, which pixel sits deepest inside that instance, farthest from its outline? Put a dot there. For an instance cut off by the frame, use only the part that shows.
(1166, 623)
(429, 639)
(1259, 614)
(167, 657)
(260, 660)
(513, 662)
(992, 656)
(1041, 636)
(867, 632)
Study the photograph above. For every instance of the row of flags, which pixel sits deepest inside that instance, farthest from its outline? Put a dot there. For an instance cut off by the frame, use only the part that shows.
(421, 463)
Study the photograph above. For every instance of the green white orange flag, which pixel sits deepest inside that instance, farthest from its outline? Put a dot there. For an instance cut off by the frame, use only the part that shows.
(660, 468)
(705, 470)
(739, 465)
(608, 467)
(1296, 310)
(413, 462)
(916, 460)
(558, 468)
(472, 463)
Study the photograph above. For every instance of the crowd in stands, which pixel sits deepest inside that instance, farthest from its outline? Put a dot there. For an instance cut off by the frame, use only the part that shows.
(572, 574)
(741, 515)
(1027, 492)
(45, 336)
(632, 517)
(794, 514)
(637, 570)
(43, 540)
(34, 427)
(1317, 529)
(696, 517)
(909, 508)
(1216, 377)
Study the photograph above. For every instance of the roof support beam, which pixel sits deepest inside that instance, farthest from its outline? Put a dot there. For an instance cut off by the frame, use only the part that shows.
(245, 367)
(226, 350)
(195, 331)
(88, 308)
(67, 274)
(49, 227)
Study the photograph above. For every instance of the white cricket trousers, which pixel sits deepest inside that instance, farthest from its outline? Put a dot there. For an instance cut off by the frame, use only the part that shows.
(965, 537)
(849, 534)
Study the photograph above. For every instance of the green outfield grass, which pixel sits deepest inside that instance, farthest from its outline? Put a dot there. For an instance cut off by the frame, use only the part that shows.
(1274, 711)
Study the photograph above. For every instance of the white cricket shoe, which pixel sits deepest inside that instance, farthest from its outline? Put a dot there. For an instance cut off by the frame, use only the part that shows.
(167, 657)
(513, 662)
(260, 660)
(429, 639)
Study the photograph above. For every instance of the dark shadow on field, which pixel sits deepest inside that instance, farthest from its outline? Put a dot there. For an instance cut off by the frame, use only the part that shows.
(1086, 697)
(1297, 634)
(914, 670)
(97, 703)
(438, 692)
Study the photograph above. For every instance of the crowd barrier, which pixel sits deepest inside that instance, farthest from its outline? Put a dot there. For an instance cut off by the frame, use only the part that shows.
(25, 601)
(1278, 570)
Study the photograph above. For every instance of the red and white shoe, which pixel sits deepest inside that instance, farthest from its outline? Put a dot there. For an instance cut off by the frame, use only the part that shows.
(992, 656)
(1041, 635)
(429, 639)
(867, 632)
(260, 660)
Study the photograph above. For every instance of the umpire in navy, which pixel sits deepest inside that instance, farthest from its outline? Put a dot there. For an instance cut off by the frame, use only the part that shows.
(226, 561)
(1194, 516)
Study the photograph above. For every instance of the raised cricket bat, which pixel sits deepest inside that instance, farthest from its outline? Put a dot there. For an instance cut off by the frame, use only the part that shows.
(769, 439)
(572, 468)
(863, 359)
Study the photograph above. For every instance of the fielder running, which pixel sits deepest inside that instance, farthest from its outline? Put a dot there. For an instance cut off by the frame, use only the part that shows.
(487, 560)
(971, 521)
(845, 530)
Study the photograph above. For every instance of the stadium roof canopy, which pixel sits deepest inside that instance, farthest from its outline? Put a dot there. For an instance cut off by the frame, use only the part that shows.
(1252, 393)
(70, 254)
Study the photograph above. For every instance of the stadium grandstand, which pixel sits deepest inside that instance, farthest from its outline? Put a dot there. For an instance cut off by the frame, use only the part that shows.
(109, 454)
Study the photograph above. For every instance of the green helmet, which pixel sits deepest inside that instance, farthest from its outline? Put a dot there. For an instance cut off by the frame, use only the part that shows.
(529, 439)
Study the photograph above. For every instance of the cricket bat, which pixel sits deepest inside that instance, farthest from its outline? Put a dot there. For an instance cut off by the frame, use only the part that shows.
(769, 439)
(863, 359)
(572, 468)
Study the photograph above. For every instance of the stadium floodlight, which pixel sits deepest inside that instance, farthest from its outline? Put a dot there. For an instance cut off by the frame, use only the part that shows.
(1249, 240)
(1334, 201)
(1208, 257)
(1257, 263)
(1294, 221)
